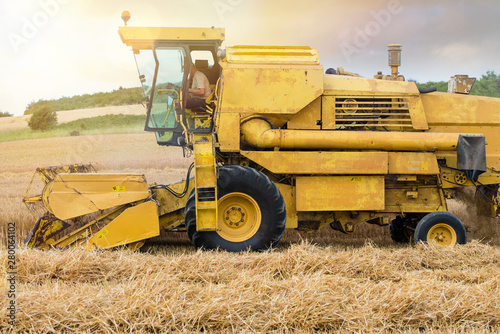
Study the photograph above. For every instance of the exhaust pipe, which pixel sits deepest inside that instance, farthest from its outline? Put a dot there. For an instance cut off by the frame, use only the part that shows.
(258, 133)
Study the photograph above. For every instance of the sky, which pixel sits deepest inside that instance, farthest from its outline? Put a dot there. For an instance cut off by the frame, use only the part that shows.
(55, 48)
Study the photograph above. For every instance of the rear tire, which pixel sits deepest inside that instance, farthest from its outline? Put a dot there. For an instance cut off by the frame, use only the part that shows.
(251, 212)
(441, 227)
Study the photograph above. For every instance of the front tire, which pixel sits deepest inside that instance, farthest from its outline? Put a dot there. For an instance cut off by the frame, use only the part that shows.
(442, 228)
(251, 212)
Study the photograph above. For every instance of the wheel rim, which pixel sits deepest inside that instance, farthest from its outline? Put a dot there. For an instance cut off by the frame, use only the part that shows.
(443, 234)
(239, 217)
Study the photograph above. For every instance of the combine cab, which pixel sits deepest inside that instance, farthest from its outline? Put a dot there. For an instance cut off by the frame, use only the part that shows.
(280, 144)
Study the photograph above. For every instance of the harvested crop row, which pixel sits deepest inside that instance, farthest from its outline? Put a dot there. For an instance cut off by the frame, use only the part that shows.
(304, 287)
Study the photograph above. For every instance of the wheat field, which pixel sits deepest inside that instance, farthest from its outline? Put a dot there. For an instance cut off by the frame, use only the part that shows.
(323, 281)
(297, 288)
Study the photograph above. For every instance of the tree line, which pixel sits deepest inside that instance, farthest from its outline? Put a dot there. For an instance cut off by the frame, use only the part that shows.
(487, 85)
(121, 96)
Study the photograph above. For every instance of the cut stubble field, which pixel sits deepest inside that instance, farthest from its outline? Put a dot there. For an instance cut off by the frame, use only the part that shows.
(322, 281)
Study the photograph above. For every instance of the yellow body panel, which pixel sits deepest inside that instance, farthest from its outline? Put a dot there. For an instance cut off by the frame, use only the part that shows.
(328, 112)
(443, 109)
(418, 117)
(465, 114)
(345, 85)
(308, 118)
(427, 199)
(134, 224)
(340, 193)
(321, 162)
(228, 132)
(288, 192)
(413, 163)
(275, 89)
(73, 195)
(254, 54)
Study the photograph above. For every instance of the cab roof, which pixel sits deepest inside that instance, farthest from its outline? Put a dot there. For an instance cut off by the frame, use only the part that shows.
(140, 38)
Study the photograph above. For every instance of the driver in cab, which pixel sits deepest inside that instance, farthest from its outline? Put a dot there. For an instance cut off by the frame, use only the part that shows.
(200, 89)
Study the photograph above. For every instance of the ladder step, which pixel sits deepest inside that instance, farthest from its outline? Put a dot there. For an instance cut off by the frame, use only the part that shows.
(206, 207)
(206, 194)
(209, 188)
(206, 199)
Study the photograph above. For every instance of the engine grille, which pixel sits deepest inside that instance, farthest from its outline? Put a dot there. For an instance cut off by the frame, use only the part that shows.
(371, 112)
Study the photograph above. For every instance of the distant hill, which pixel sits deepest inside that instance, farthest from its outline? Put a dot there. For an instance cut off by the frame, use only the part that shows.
(119, 97)
(487, 85)
(81, 122)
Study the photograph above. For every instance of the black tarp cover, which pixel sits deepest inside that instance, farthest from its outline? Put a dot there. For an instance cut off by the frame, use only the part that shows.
(471, 155)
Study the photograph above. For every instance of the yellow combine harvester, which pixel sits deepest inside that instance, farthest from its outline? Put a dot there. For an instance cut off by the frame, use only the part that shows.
(280, 145)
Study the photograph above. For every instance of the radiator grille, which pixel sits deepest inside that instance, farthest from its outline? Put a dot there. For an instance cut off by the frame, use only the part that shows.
(376, 112)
